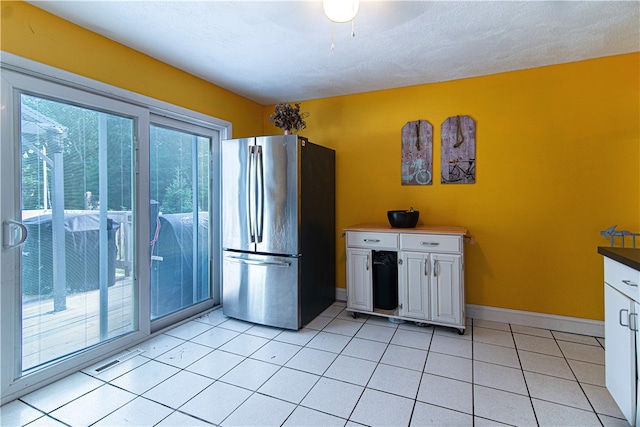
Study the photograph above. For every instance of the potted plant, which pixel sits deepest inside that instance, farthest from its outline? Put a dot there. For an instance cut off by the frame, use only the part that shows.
(288, 118)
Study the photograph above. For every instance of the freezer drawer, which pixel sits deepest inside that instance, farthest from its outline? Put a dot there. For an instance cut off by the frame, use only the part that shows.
(261, 289)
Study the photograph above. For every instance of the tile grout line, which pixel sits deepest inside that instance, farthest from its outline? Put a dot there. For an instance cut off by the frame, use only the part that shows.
(524, 377)
(473, 380)
(364, 388)
(280, 367)
(253, 392)
(564, 356)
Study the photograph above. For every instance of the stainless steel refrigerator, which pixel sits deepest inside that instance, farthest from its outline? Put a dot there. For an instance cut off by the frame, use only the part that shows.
(278, 230)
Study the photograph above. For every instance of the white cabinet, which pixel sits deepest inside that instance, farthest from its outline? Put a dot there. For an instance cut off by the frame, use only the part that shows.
(430, 272)
(360, 294)
(413, 285)
(446, 289)
(620, 351)
(621, 329)
(430, 287)
(360, 265)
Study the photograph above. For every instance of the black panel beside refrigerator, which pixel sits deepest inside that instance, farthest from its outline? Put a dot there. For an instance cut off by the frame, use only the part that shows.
(318, 230)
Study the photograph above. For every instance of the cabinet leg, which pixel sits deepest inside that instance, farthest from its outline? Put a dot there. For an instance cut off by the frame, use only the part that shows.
(461, 331)
(354, 315)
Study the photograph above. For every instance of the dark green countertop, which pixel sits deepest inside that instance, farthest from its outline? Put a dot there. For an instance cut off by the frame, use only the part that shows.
(627, 256)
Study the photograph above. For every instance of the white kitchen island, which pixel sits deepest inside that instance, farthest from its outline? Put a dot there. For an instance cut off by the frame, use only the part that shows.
(430, 272)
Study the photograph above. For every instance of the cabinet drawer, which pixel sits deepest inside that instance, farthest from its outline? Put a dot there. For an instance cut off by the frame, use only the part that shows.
(372, 240)
(431, 243)
(623, 278)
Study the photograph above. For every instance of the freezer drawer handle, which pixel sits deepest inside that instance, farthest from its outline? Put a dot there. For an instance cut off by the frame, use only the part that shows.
(283, 264)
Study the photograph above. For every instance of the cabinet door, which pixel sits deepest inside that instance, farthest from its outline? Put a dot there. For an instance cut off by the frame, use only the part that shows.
(446, 288)
(414, 284)
(636, 326)
(620, 356)
(359, 282)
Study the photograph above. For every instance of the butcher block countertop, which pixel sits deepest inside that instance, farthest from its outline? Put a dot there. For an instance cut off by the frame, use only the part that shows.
(431, 229)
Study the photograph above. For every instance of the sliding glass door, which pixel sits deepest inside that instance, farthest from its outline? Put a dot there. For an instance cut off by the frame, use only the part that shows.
(180, 249)
(109, 230)
(76, 209)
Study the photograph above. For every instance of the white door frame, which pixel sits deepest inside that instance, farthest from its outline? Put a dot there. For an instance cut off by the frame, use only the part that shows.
(18, 74)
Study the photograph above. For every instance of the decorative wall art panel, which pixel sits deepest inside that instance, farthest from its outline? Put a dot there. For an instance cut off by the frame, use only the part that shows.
(458, 164)
(417, 153)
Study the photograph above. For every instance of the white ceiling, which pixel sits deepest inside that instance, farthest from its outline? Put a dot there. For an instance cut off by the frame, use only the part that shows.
(274, 51)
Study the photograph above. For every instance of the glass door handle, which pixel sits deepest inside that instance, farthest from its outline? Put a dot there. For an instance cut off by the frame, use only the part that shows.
(8, 229)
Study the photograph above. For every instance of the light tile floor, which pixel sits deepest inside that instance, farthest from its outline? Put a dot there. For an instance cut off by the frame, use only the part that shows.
(336, 371)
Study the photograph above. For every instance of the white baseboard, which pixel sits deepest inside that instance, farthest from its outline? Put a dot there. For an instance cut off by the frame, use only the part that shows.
(574, 325)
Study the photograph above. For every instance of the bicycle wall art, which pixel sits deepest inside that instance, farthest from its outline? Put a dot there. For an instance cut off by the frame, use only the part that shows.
(458, 150)
(417, 153)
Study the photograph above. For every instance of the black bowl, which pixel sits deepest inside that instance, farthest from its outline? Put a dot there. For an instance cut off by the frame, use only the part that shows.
(403, 219)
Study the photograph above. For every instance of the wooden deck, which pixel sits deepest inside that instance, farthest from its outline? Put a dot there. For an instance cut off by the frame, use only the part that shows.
(48, 335)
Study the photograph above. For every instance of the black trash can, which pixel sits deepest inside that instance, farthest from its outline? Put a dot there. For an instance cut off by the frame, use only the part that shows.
(385, 280)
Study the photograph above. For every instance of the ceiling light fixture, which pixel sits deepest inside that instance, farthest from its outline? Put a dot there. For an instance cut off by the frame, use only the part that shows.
(341, 11)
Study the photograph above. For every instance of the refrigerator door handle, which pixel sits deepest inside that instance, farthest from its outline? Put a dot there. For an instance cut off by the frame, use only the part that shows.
(260, 195)
(255, 262)
(249, 195)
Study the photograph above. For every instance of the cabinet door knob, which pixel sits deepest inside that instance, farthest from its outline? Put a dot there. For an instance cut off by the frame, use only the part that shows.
(633, 325)
(621, 315)
(367, 262)
(426, 267)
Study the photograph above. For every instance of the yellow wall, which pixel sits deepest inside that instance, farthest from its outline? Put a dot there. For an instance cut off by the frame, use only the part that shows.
(558, 161)
(32, 33)
(557, 148)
